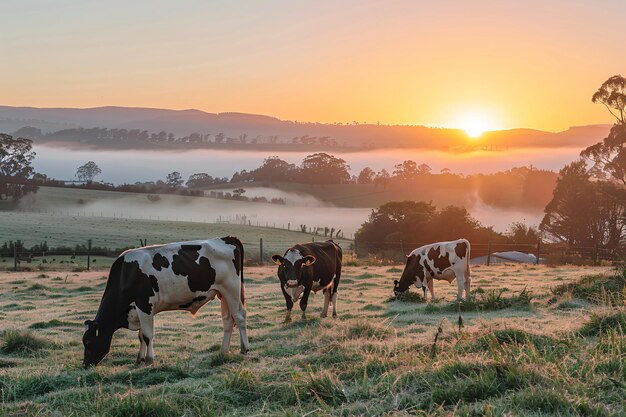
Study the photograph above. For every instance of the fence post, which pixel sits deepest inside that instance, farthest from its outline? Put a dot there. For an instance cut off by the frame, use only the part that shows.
(402, 248)
(595, 254)
(88, 254)
(15, 256)
(261, 251)
(356, 249)
(489, 253)
(538, 248)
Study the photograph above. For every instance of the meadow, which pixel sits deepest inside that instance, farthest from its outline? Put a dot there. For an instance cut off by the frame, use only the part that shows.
(532, 341)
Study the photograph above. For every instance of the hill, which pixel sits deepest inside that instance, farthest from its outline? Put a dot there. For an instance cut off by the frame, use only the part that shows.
(186, 122)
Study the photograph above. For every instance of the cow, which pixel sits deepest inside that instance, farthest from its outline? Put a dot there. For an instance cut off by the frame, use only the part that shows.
(176, 276)
(441, 261)
(310, 267)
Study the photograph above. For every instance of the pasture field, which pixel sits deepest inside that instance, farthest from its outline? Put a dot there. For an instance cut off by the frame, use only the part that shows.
(532, 341)
(63, 230)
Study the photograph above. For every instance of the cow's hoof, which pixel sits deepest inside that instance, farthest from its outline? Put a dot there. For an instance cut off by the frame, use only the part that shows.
(323, 315)
(245, 351)
(303, 316)
(139, 361)
(149, 361)
(334, 315)
(287, 319)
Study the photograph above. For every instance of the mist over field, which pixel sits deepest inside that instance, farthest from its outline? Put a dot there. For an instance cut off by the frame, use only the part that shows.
(128, 166)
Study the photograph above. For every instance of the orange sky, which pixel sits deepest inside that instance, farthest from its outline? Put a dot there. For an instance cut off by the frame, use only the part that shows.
(530, 64)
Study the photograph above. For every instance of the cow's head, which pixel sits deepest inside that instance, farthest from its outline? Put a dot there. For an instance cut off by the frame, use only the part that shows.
(413, 274)
(290, 272)
(97, 342)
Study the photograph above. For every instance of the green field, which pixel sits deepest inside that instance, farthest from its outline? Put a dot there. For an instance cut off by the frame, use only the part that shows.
(63, 230)
(534, 341)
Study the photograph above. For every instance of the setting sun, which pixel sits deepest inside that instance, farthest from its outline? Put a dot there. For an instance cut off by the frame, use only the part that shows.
(475, 124)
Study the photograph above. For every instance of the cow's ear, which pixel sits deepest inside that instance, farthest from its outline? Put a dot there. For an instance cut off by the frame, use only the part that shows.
(309, 260)
(278, 260)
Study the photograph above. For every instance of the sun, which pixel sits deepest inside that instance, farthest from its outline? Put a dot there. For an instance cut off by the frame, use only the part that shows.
(475, 125)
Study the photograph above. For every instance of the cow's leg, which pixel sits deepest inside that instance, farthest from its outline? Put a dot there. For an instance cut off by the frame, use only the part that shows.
(227, 321)
(146, 322)
(238, 314)
(288, 301)
(142, 348)
(431, 287)
(460, 284)
(327, 292)
(304, 301)
(336, 287)
(468, 285)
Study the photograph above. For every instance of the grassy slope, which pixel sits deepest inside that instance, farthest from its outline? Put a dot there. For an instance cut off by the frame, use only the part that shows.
(59, 228)
(375, 358)
(116, 233)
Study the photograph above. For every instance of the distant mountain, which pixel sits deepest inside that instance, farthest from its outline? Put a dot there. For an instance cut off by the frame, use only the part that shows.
(185, 122)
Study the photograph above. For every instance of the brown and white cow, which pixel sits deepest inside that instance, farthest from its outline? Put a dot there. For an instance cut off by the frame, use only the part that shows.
(176, 276)
(441, 261)
(310, 267)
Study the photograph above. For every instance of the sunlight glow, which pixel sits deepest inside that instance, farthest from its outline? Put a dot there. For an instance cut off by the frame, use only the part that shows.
(476, 124)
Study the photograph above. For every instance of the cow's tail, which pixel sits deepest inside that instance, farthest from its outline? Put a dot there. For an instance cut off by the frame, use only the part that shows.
(243, 291)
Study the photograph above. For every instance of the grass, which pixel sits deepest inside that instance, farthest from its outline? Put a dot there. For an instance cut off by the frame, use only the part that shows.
(603, 323)
(375, 358)
(599, 289)
(21, 343)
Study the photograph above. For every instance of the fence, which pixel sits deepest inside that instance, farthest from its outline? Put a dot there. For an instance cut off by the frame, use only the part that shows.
(85, 257)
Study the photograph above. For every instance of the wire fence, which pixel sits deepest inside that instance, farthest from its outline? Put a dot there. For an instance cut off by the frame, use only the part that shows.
(258, 252)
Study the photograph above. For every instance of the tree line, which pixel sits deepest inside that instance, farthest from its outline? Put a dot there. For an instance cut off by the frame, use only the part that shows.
(98, 135)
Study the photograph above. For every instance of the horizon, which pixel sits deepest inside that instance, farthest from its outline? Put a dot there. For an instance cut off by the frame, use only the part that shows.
(607, 123)
(481, 67)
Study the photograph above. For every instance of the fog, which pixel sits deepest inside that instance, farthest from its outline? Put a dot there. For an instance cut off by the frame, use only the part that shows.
(301, 209)
(130, 166)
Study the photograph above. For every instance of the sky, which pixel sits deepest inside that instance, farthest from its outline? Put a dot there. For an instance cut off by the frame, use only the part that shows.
(451, 63)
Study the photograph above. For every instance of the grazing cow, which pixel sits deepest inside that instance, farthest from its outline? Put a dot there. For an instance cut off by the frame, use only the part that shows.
(442, 261)
(176, 276)
(310, 267)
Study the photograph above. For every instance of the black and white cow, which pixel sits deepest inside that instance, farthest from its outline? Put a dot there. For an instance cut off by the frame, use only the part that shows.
(441, 261)
(176, 276)
(310, 267)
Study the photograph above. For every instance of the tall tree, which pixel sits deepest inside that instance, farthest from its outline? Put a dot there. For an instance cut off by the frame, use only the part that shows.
(584, 212)
(88, 171)
(366, 176)
(609, 156)
(174, 180)
(16, 156)
(322, 168)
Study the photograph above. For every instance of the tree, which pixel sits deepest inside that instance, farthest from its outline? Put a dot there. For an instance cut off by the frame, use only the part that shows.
(520, 233)
(274, 169)
(322, 168)
(174, 180)
(609, 156)
(584, 212)
(415, 223)
(406, 170)
(366, 176)
(16, 156)
(88, 171)
(238, 193)
(382, 178)
(200, 180)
